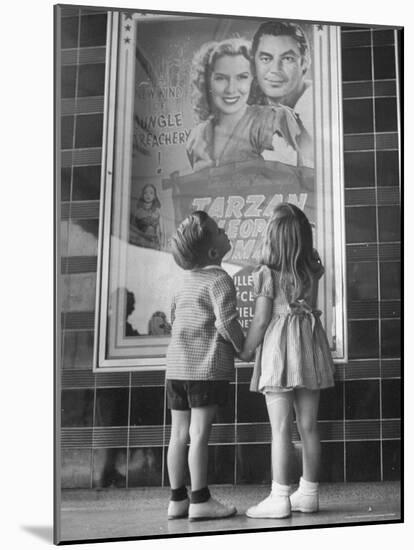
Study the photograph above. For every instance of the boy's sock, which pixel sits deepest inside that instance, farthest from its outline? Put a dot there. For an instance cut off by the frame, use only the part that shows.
(179, 494)
(201, 495)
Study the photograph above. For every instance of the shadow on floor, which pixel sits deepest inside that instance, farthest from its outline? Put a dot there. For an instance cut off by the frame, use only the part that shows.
(41, 532)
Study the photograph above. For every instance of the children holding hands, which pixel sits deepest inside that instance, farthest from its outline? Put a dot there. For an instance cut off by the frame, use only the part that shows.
(292, 358)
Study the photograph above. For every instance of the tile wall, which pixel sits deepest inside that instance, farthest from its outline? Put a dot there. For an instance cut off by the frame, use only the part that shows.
(115, 427)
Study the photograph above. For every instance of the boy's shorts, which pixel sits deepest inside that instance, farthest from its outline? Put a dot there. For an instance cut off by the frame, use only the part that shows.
(183, 395)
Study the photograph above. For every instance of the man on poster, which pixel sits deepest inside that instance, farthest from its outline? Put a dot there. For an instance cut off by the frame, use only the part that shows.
(281, 55)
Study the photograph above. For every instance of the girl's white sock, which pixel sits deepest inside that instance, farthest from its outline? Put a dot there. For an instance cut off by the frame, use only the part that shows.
(308, 487)
(280, 490)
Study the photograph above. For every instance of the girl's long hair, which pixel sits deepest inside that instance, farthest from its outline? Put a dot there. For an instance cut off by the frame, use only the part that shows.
(288, 249)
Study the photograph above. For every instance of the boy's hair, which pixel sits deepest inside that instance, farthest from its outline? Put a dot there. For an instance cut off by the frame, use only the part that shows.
(288, 248)
(191, 241)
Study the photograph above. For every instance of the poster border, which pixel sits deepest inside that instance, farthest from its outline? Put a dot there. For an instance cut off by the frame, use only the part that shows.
(328, 175)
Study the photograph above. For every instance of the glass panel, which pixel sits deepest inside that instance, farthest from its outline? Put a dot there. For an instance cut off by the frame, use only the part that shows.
(170, 151)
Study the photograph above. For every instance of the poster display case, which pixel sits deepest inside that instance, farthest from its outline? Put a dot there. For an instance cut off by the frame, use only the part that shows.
(170, 81)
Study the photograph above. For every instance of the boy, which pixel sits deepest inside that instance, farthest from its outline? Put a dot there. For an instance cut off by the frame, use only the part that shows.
(200, 360)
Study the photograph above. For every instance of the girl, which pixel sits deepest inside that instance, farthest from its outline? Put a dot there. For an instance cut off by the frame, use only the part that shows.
(146, 227)
(229, 129)
(293, 361)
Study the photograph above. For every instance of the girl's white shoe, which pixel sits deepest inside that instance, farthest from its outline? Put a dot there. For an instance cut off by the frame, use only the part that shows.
(276, 505)
(306, 497)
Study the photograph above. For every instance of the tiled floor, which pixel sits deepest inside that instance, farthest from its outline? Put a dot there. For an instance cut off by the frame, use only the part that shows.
(119, 513)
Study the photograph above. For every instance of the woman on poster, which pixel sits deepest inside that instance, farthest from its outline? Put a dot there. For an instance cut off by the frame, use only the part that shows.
(230, 130)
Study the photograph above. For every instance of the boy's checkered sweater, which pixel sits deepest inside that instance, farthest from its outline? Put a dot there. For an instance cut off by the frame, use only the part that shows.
(205, 329)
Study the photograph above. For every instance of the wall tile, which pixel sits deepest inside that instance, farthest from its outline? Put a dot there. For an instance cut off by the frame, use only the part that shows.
(69, 32)
(147, 406)
(363, 339)
(363, 461)
(391, 338)
(387, 168)
(359, 169)
(75, 469)
(83, 238)
(331, 403)
(112, 407)
(221, 463)
(64, 238)
(145, 467)
(391, 398)
(360, 224)
(356, 64)
(384, 62)
(356, 38)
(86, 183)
(91, 81)
(391, 459)
(383, 37)
(78, 292)
(167, 415)
(77, 408)
(362, 399)
(68, 81)
(253, 464)
(358, 116)
(226, 413)
(390, 277)
(89, 131)
(93, 30)
(109, 468)
(386, 114)
(65, 177)
(251, 406)
(391, 309)
(362, 281)
(389, 222)
(332, 462)
(78, 349)
(66, 132)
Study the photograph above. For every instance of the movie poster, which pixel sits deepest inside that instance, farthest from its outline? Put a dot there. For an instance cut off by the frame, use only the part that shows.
(213, 114)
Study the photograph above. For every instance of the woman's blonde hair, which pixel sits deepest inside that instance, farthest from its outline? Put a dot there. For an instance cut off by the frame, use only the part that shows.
(288, 249)
(202, 67)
